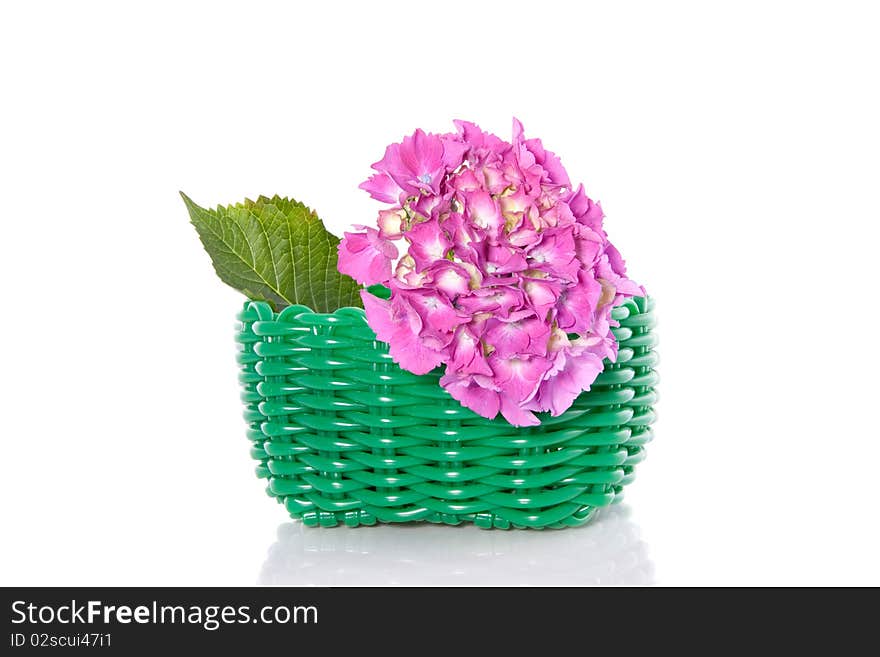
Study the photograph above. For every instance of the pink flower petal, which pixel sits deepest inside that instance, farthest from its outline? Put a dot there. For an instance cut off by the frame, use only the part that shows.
(428, 243)
(366, 257)
(378, 313)
(523, 336)
(467, 354)
(481, 400)
(578, 303)
(484, 212)
(556, 173)
(391, 224)
(450, 278)
(519, 376)
(558, 393)
(381, 187)
(517, 414)
(542, 294)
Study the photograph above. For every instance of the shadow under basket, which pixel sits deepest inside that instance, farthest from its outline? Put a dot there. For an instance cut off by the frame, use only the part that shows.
(344, 436)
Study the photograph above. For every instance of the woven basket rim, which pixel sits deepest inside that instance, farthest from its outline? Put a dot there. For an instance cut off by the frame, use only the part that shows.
(261, 307)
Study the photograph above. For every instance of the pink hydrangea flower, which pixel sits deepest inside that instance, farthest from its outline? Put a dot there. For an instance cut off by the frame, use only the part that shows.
(506, 275)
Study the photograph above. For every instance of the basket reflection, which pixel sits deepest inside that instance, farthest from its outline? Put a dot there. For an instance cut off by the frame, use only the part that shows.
(607, 551)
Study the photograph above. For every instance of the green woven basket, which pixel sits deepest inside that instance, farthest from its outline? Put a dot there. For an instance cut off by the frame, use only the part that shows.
(345, 436)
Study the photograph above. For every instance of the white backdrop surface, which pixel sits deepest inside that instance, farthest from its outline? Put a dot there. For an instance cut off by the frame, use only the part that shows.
(734, 149)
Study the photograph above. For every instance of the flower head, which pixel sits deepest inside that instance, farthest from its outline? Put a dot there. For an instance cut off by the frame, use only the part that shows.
(506, 276)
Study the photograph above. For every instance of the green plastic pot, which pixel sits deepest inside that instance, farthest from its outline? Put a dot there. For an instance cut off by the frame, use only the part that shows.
(345, 436)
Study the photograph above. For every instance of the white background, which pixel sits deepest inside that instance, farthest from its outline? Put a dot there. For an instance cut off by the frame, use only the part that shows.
(734, 148)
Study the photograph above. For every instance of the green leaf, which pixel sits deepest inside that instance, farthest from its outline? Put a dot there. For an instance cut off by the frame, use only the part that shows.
(275, 250)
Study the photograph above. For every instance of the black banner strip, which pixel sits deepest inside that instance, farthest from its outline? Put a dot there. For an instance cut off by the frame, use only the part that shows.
(129, 620)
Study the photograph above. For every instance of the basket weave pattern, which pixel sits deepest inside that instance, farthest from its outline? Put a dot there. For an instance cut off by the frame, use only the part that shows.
(344, 435)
